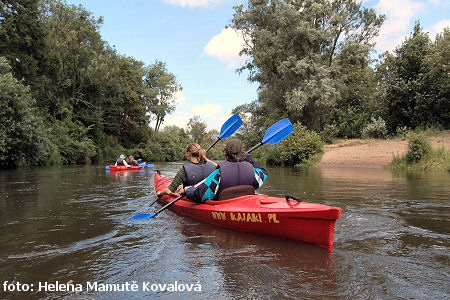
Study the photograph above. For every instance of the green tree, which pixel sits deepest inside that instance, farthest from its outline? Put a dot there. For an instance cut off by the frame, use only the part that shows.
(73, 43)
(21, 130)
(292, 46)
(22, 41)
(414, 81)
(435, 106)
(160, 90)
(196, 129)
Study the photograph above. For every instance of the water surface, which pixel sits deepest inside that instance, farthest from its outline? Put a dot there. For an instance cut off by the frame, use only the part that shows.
(71, 224)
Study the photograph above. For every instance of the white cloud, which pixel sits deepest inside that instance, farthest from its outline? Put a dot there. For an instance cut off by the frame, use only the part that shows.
(398, 19)
(439, 27)
(206, 109)
(193, 3)
(212, 114)
(226, 47)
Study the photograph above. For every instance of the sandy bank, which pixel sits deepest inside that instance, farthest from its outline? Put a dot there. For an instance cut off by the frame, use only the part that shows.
(371, 153)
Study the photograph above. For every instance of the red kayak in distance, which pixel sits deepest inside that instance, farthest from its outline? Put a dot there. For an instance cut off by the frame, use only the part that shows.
(261, 214)
(113, 168)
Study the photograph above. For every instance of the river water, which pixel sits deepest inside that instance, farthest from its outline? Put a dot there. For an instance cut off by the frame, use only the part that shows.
(71, 225)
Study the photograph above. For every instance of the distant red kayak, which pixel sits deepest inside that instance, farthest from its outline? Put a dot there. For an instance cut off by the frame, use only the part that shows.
(261, 214)
(124, 168)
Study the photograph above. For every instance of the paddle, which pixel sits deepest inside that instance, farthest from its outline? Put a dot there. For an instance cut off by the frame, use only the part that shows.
(275, 133)
(228, 128)
(146, 216)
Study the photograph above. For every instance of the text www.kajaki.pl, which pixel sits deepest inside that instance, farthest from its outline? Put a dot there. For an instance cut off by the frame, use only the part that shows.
(133, 286)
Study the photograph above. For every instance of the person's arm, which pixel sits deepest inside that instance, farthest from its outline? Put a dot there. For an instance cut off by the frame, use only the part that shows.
(178, 180)
(260, 173)
(125, 163)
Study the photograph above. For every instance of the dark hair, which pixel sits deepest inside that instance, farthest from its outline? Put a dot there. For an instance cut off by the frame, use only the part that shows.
(197, 151)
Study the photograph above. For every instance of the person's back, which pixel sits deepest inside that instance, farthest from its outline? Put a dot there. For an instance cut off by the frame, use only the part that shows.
(239, 175)
(121, 161)
(195, 169)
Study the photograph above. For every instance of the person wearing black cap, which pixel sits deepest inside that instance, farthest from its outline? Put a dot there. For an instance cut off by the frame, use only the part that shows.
(239, 175)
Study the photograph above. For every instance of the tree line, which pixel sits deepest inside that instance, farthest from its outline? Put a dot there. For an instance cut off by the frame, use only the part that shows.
(68, 97)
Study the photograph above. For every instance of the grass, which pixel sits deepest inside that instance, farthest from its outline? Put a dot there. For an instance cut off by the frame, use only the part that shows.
(436, 159)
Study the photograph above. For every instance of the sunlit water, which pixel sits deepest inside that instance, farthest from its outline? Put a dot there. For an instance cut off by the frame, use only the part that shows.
(72, 225)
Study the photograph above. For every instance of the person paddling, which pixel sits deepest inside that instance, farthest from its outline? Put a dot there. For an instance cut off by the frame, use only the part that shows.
(239, 175)
(131, 161)
(121, 161)
(196, 168)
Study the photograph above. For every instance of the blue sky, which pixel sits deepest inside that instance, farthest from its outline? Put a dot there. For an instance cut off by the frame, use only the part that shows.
(190, 37)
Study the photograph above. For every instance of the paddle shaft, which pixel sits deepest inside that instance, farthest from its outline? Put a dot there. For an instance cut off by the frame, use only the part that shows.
(154, 201)
(212, 145)
(168, 204)
(254, 147)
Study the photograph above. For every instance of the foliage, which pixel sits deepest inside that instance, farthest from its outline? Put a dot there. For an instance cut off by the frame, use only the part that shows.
(376, 129)
(436, 159)
(329, 133)
(196, 129)
(418, 147)
(301, 147)
(21, 130)
(294, 49)
(415, 81)
(160, 91)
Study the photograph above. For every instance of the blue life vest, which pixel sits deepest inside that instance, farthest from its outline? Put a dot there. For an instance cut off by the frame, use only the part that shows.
(236, 173)
(197, 172)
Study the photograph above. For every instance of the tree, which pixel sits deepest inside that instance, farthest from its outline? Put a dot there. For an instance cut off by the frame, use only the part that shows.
(21, 130)
(22, 41)
(161, 88)
(196, 129)
(292, 46)
(412, 79)
(73, 44)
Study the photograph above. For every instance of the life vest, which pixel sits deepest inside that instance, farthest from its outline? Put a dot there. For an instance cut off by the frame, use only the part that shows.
(197, 172)
(236, 173)
(120, 162)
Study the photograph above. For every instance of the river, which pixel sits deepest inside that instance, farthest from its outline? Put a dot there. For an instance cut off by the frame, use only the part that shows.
(69, 228)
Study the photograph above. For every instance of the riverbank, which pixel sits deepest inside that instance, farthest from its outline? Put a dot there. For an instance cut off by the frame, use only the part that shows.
(372, 153)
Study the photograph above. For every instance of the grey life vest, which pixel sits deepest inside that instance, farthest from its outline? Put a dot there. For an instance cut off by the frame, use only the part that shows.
(197, 172)
(236, 173)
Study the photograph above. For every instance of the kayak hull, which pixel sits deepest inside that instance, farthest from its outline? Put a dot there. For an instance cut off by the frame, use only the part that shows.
(261, 214)
(113, 168)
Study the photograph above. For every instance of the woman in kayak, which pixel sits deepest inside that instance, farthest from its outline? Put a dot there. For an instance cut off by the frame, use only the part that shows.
(196, 168)
(121, 161)
(239, 175)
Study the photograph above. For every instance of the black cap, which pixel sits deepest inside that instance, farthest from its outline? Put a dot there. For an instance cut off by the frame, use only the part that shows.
(233, 146)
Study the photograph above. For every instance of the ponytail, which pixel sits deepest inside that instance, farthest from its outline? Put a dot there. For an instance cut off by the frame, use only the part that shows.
(196, 151)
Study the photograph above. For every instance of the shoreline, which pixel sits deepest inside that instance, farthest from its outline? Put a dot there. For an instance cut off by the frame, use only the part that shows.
(358, 153)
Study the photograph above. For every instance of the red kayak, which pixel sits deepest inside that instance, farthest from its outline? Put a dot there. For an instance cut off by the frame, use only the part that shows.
(261, 214)
(124, 168)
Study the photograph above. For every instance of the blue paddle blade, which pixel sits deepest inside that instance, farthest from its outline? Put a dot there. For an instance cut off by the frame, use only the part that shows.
(139, 159)
(150, 165)
(230, 126)
(107, 167)
(143, 216)
(278, 131)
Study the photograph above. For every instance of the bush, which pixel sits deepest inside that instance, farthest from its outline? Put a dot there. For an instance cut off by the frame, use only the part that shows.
(329, 133)
(418, 147)
(301, 147)
(375, 129)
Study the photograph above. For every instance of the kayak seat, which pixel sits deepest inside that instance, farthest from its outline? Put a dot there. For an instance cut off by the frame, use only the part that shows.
(235, 191)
